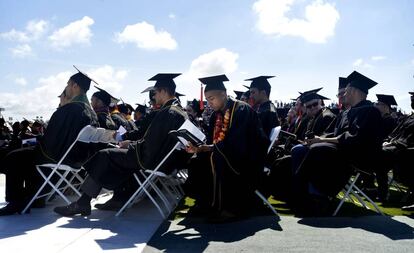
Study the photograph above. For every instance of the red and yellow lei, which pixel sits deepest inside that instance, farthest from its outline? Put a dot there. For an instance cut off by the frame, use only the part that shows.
(221, 126)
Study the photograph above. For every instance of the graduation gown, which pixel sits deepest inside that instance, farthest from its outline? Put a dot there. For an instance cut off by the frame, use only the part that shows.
(110, 168)
(63, 128)
(227, 177)
(105, 121)
(327, 166)
(301, 127)
(388, 123)
(120, 121)
(268, 116)
(321, 123)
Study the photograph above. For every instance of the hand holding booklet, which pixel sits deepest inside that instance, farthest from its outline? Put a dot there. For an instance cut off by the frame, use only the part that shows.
(189, 133)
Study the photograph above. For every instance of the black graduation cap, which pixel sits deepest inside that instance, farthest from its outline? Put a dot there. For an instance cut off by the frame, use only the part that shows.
(141, 108)
(105, 97)
(239, 94)
(214, 82)
(387, 99)
(82, 79)
(130, 108)
(310, 96)
(343, 82)
(302, 94)
(163, 80)
(260, 82)
(411, 93)
(360, 82)
(177, 94)
(125, 108)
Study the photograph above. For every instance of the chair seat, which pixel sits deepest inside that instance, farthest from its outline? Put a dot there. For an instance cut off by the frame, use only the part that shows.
(61, 167)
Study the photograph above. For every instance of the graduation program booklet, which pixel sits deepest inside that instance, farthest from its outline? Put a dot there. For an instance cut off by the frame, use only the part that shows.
(188, 132)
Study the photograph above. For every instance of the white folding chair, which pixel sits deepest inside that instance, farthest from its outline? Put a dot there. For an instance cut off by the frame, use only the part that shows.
(350, 190)
(149, 184)
(88, 134)
(273, 137)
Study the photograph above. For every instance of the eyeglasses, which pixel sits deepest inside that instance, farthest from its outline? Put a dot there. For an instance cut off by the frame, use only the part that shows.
(312, 105)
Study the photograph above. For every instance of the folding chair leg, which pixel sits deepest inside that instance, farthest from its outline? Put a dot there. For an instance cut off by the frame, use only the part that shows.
(140, 188)
(346, 195)
(369, 200)
(266, 202)
(57, 186)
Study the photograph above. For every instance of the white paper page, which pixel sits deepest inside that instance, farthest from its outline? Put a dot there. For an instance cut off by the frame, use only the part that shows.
(190, 127)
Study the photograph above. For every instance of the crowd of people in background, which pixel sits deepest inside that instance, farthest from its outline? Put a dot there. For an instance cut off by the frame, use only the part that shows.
(315, 155)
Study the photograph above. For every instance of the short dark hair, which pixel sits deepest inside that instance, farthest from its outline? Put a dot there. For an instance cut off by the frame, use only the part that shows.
(169, 90)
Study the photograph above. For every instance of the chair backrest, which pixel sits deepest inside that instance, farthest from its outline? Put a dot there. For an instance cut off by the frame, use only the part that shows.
(86, 133)
(103, 135)
(90, 134)
(273, 137)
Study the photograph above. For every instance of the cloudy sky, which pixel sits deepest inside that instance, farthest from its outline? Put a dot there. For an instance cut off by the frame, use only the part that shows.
(305, 43)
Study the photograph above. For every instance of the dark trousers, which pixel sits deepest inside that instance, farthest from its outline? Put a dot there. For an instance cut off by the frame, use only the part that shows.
(22, 178)
(111, 169)
(401, 162)
(323, 168)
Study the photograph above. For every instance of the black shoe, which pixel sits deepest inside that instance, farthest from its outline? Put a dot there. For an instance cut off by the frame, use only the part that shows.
(110, 205)
(11, 209)
(73, 209)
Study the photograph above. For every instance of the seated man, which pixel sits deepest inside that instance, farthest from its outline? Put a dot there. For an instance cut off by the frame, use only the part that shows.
(397, 154)
(259, 92)
(327, 166)
(227, 169)
(100, 102)
(111, 168)
(320, 122)
(22, 178)
(389, 122)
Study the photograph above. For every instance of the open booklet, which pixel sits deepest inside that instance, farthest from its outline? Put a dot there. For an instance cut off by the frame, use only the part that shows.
(188, 132)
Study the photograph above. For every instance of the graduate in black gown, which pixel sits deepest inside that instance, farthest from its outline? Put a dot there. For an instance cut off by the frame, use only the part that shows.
(139, 113)
(22, 178)
(111, 168)
(125, 112)
(397, 154)
(228, 167)
(100, 102)
(259, 92)
(118, 118)
(384, 103)
(320, 122)
(327, 165)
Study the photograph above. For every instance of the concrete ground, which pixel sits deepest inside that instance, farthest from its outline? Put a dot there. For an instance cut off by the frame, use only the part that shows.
(136, 231)
(44, 231)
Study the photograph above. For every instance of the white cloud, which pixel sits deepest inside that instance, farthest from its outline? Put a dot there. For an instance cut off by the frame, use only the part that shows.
(21, 81)
(316, 27)
(145, 36)
(21, 51)
(108, 78)
(77, 32)
(358, 62)
(34, 30)
(378, 58)
(216, 62)
(171, 16)
(42, 100)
